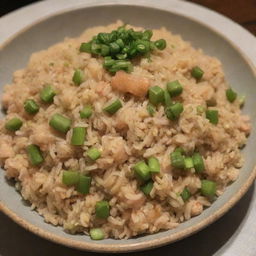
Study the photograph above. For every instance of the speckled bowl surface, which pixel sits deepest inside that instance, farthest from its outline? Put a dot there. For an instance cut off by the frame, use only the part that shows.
(40, 25)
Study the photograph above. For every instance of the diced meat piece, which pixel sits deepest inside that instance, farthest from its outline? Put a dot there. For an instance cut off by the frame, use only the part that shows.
(133, 84)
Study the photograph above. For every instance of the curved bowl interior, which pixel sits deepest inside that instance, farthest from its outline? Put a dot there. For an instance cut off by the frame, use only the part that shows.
(15, 55)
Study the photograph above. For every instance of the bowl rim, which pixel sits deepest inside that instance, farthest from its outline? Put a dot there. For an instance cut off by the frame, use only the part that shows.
(136, 246)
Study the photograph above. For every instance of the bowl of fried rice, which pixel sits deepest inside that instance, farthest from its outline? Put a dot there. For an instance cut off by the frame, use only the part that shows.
(124, 126)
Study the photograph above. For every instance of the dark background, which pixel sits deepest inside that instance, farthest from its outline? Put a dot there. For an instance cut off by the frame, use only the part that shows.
(16, 241)
(241, 11)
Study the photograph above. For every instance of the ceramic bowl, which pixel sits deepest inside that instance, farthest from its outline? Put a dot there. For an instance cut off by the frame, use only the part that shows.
(41, 25)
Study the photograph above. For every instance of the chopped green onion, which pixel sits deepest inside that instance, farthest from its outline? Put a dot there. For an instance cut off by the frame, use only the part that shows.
(120, 42)
(78, 77)
(121, 56)
(121, 65)
(142, 171)
(34, 154)
(200, 109)
(83, 185)
(197, 73)
(188, 162)
(95, 48)
(113, 36)
(208, 188)
(212, 116)
(70, 178)
(31, 107)
(179, 149)
(78, 136)
(141, 48)
(96, 234)
(102, 209)
(122, 45)
(105, 50)
(108, 62)
(113, 107)
(144, 46)
(137, 34)
(86, 47)
(132, 52)
(47, 94)
(93, 154)
(169, 113)
(154, 165)
(177, 160)
(176, 109)
(198, 162)
(104, 38)
(125, 36)
(114, 48)
(173, 112)
(86, 112)
(146, 189)
(151, 109)
(60, 123)
(185, 194)
(174, 88)
(231, 95)
(147, 34)
(160, 44)
(13, 124)
(167, 99)
(125, 50)
(156, 95)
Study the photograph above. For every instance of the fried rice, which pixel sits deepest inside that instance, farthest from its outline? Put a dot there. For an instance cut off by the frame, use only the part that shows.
(128, 136)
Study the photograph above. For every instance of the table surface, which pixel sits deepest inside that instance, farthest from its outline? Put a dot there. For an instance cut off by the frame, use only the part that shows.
(225, 237)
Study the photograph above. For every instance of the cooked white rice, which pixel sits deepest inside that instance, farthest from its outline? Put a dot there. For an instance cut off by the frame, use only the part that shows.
(124, 138)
